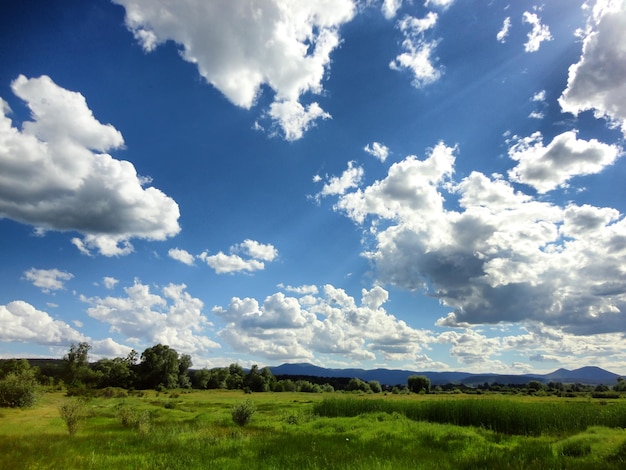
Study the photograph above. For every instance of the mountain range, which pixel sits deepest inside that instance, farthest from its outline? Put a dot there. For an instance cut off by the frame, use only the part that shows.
(589, 375)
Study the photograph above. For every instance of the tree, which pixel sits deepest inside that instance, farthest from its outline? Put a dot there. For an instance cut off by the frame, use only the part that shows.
(160, 366)
(234, 381)
(418, 383)
(18, 385)
(114, 373)
(620, 386)
(77, 373)
(357, 384)
(375, 386)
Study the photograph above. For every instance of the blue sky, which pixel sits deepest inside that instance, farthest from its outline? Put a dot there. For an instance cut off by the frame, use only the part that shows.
(428, 185)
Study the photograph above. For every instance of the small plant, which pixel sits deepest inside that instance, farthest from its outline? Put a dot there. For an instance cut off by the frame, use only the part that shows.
(242, 412)
(131, 418)
(73, 413)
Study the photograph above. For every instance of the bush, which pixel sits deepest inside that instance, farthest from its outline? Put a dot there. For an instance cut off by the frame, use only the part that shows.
(242, 412)
(131, 418)
(18, 390)
(73, 412)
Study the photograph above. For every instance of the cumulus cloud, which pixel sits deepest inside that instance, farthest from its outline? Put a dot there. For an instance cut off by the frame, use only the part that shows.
(418, 51)
(109, 282)
(288, 328)
(239, 47)
(181, 255)
(55, 175)
(337, 185)
(171, 317)
(48, 279)
(377, 150)
(596, 82)
(504, 32)
(253, 257)
(548, 167)
(538, 34)
(496, 255)
(23, 323)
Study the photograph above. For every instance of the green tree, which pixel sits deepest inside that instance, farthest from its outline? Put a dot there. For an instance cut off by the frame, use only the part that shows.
(418, 383)
(620, 386)
(375, 386)
(357, 384)
(76, 371)
(18, 385)
(160, 366)
(234, 381)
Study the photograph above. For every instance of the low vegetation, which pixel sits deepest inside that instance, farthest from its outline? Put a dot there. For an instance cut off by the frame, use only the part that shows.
(198, 430)
(150, 412)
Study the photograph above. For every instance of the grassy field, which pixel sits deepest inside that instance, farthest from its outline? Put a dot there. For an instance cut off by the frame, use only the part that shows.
(316, 431)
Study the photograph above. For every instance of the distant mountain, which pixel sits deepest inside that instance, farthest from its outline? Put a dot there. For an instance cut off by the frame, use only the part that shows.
(584, 375)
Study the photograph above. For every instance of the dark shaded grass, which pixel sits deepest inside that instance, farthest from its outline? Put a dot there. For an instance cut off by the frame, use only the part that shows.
(503, 416)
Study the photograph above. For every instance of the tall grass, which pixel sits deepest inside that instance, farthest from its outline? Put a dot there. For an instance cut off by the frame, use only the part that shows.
(504, 416)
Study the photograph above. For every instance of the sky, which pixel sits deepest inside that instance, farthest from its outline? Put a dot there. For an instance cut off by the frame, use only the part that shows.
(420, 184)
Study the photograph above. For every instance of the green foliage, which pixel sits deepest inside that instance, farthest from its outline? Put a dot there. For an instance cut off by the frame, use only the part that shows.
(18, 389)
(162, 367)
(357, 385)
(199, 433)
(418, 383)
(242, 412)
(74, 413)
(142, 421)
(505, 416)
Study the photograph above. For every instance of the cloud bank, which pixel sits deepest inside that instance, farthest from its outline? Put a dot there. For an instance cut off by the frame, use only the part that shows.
(239, 47)
(55, 174)
(499, 255)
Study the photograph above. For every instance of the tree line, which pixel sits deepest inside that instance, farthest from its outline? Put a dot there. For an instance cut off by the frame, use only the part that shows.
(161, 367)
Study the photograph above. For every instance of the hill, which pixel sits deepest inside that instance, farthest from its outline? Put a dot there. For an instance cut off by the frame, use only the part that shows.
(584, 375)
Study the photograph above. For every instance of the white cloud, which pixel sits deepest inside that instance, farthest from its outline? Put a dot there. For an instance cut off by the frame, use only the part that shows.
(109, 282)
(504, 32)
(254, 249)
(302, 290)
(539, 97)
(337, 185)
(546, 168)
(378, 150)
(596, 82)
(444, 4)
(173, 317)
(55, 176)
(499, 255)
(536, 115)
(239, 46)
(256, 253)
(287, 328)
(295, 119)
(538, 34)
(21, 322)
(417, 55)
(48, 279)
(390, 8)
(181, 255)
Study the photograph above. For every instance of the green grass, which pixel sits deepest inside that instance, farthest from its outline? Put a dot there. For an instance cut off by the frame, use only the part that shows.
(508, 416)
(196, 431)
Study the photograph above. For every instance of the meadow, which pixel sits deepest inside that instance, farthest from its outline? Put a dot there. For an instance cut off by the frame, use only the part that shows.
(196, 430)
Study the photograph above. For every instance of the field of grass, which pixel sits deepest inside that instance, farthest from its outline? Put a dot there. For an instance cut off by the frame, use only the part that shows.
(316, 431)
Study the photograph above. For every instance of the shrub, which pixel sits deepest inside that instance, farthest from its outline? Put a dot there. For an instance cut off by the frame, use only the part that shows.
(131, 418)
(242, 412)
(73, 412)
(18, 390)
